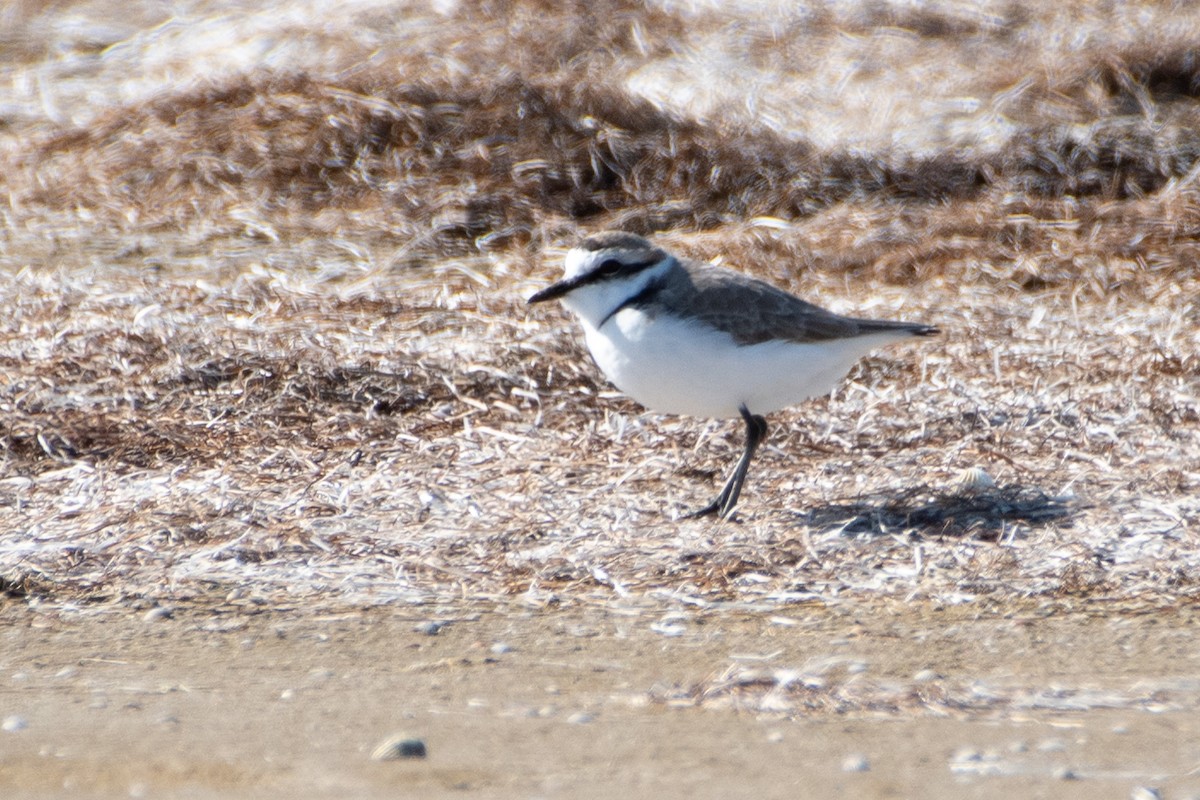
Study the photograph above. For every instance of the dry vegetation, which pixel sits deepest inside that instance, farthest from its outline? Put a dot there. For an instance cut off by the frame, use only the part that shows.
(265, 338)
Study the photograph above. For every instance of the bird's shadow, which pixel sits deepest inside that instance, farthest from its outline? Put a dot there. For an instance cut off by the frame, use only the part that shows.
(986, 514)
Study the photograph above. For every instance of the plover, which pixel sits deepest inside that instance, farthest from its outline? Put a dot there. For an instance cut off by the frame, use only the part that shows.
(681, 336)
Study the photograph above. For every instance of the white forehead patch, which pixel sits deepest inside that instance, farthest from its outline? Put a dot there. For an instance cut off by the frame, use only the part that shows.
(577, 262)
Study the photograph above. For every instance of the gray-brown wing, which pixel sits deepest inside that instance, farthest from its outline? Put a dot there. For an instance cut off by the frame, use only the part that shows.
(752, 311)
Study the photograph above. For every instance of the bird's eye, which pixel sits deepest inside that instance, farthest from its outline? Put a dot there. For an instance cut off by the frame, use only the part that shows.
(608, 267)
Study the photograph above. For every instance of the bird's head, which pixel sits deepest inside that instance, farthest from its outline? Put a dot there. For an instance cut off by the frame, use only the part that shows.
(603, 271)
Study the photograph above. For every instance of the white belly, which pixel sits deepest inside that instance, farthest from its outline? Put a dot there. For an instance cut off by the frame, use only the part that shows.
(678, 368)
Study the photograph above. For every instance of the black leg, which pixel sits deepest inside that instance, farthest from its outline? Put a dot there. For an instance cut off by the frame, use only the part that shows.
(756, 431)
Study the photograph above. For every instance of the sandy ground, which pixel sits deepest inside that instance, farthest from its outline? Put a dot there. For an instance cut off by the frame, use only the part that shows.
(514, 702)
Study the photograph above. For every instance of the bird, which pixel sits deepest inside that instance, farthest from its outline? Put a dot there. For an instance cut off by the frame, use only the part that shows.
(682, 336)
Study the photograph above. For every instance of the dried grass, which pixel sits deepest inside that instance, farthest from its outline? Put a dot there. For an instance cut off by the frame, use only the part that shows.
(265, 334)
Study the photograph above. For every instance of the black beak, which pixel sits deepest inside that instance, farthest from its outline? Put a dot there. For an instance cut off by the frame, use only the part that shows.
(553, 291)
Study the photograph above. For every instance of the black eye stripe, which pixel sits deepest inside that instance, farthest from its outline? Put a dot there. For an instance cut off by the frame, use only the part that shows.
(615, 268)
(607, 270)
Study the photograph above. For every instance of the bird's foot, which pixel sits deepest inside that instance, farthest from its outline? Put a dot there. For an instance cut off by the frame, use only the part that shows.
(717, 507)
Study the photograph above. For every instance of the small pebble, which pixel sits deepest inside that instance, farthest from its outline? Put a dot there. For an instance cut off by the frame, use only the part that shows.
(1052, 745)
(66, 672)
(926, 676)
(856, 762)
(398, 746)
(13, 723)
(1120, 730)
(320, 674)
(775, 737)
(1145, 793)
(429, 627)
(975, 479)
(970, 761)
(580, 718)
(669, 629)
(964, 754)
(1065, 774)
(158, 613)
(500, 648)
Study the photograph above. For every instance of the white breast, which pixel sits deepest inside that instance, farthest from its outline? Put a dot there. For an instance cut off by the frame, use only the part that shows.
(676, 367)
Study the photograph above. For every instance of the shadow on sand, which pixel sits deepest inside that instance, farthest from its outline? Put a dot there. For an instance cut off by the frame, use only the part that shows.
(986, 514)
